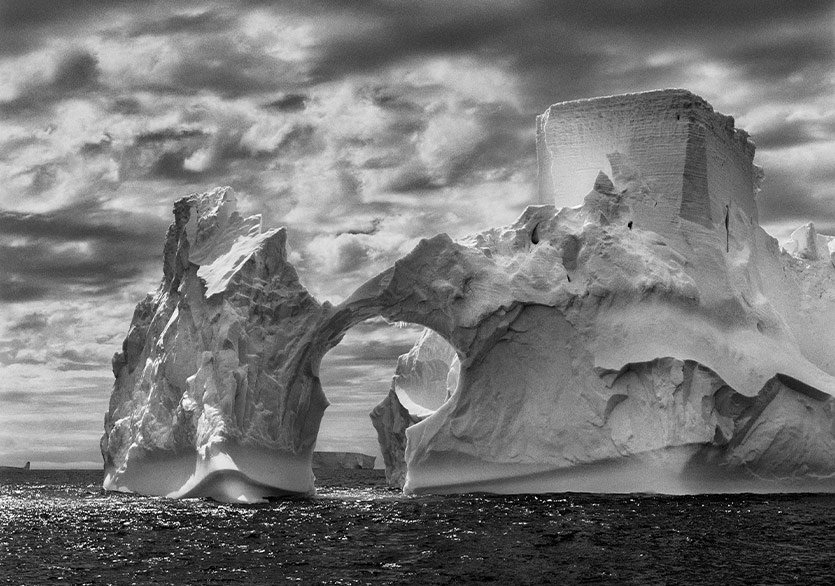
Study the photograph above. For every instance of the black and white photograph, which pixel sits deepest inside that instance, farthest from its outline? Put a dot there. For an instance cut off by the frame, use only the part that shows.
(444, 292)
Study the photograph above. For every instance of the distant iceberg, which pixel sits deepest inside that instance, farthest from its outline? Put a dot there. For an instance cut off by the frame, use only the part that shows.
(343, 460)
(25, 467)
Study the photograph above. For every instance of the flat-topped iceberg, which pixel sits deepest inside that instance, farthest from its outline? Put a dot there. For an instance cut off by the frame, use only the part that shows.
(651, 338)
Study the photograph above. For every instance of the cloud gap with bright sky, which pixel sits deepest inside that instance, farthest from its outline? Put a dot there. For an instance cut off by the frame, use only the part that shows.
(361, 126)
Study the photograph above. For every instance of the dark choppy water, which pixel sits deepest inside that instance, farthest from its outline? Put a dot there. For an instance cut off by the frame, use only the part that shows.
(60, 528)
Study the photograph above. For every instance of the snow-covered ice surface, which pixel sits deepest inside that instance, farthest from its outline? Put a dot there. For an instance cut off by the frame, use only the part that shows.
(651, 338)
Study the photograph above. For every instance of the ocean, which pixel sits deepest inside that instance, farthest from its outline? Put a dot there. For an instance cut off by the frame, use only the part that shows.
(59, 527)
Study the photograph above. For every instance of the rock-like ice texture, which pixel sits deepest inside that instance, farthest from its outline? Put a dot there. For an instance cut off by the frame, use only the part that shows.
(693, 160)
(424, 379)
(211, 397)
(807, 244)
(652, 338)
(426, 376)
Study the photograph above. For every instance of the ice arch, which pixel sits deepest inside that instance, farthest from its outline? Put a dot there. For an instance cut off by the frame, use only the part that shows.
(565, 345)
(396, 296)
(217, 388)
(654, 328)
(377, 390)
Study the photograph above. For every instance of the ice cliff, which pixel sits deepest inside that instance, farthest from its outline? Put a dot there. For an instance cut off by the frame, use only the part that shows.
(651, 338)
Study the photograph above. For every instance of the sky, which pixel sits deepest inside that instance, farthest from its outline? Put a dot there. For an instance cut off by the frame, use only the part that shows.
(360, 125)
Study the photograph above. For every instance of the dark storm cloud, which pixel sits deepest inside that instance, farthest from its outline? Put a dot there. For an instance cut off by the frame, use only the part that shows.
(417, 29)
(784, 133)
(170, 165)
(565, 50)
(35, 13)
(201, 23)
(209, 55)
(100, 147)
(675, 16)
(412, 179)
(44, 264)
(506, 145)
(224, 66)
(74, 73)
(72, 359)
(398, 98)
(506, 132)
(76, 70)
(47, 255)
(785, 199)
(778, 58)
(14, 291)
(288, 103)
(31, 322)
(555, 58)
(300, 140)
(221, 150)
(67, 225)
(21, 21)
(15, 396)
(126, 105)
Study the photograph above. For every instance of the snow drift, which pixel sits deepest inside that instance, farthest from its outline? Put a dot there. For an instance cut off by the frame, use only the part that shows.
(652, 338)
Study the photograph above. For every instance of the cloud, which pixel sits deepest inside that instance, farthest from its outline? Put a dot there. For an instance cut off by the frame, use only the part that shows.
(22, 13)
(168, 134)
(76, 70)
(30, 356)
(353, 256)
(172, 165)
(62, 335)
(789, 133)
(785, 197)
(376, 35)
(373, 351)
(24, 22)
(226, 68)
(288, 103)
(206, 22)
(51, 416)
(35, 321)
(14, 290)
(82, 248)
(342, 254)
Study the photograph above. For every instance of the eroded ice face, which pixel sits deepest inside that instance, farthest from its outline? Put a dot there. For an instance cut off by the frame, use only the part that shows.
(622, 344)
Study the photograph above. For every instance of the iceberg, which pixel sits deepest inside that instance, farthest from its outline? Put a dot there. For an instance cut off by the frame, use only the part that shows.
(343, 460)
(642, 334)
(424, 379)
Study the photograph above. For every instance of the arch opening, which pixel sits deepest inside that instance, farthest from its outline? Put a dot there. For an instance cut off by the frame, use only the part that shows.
(380, 379)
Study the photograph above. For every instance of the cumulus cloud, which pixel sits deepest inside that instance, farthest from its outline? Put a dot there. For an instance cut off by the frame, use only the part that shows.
(74, 72)
(351, 257)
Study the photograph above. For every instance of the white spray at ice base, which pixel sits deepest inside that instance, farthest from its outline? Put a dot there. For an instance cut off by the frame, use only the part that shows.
(654, 338)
